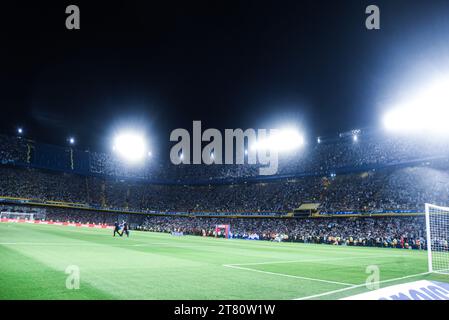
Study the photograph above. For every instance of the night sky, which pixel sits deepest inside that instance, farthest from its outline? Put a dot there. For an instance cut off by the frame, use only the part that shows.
(249, 64)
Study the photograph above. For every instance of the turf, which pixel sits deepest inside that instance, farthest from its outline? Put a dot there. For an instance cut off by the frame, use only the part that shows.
(33, 260)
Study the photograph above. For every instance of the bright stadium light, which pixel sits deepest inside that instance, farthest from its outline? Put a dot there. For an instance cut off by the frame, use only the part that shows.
(71, 140)
(282, 140)
(426, 112)
(19, 130)
(130, 146)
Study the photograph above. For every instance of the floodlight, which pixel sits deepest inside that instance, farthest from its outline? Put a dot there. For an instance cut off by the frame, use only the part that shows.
(19, 130)
(72, 140)
(130, 146)
(282, 140)
(425, 112)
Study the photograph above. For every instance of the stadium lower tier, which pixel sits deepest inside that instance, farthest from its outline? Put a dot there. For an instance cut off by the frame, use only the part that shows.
(406, 188)
(396, 232)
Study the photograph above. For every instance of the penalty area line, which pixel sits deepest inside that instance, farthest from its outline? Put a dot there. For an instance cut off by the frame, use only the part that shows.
(360, 286)
(288, 275)
(313, 260)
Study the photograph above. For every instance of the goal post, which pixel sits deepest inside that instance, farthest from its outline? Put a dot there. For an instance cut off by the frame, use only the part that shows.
(437, 230)
(226, 228)
(16, 215)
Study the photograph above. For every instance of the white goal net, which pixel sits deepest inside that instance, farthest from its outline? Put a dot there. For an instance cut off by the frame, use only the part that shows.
(437, 229)
(16, 215)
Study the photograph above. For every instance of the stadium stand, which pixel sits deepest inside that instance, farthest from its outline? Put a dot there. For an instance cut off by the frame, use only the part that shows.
(382, 181)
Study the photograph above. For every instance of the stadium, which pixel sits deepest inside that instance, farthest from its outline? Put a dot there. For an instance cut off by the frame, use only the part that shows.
(315, 227)
(107, 192)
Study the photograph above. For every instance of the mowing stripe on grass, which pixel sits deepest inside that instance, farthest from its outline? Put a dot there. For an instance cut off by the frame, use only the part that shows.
(288, 275)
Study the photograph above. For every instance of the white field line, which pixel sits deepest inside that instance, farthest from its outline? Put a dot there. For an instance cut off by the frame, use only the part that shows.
(239, 266)
(359, 286)
(288, 275)
(314, 260)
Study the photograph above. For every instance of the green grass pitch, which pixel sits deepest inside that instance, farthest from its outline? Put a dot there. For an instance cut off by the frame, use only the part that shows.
(33, 260)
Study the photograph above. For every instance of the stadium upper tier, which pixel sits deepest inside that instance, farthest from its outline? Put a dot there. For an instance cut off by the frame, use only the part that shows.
(390, 189)
(343, 155)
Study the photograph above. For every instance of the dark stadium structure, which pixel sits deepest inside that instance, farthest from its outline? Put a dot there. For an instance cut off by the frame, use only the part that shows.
(370, 192)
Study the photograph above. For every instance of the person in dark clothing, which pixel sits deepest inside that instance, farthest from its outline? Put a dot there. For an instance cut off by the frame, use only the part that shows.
(125, 229)
(117, 229)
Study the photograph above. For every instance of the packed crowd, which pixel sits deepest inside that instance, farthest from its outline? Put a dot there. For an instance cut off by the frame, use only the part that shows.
(320, 158)
(382, 190)
(12, 150)
(397, 232)
(404, 232)
(370, 151)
